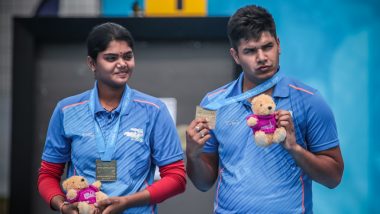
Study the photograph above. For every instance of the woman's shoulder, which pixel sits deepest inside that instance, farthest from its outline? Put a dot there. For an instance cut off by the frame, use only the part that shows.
(146, 99)
(74, 100)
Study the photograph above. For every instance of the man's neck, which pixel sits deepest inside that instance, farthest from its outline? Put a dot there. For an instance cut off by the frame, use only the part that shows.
(248, 85)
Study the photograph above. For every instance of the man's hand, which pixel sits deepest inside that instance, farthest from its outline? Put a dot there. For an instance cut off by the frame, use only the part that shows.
(284, 119)
(197, 134)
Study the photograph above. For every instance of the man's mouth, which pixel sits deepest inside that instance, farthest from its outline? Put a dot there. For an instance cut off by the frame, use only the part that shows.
(263, 68)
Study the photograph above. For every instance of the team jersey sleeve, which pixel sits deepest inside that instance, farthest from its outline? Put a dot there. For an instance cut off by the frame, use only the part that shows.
(165, 143)
(57, 146)
(321, 133)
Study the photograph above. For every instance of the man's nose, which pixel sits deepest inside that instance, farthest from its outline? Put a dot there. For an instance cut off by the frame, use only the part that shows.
(261, 55)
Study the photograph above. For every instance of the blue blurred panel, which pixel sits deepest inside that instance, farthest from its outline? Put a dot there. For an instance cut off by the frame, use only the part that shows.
(47, 8)
(225, 7)
(118, 8)
(375, 117)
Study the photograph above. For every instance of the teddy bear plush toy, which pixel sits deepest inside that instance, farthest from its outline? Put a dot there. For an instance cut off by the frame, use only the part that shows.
(78, 190)
(263, 122)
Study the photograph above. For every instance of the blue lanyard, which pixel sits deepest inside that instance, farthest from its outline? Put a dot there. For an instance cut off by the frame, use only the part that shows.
(106, 150)
(221, 101)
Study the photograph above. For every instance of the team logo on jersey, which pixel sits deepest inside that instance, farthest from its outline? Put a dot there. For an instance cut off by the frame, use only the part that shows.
(135, 134)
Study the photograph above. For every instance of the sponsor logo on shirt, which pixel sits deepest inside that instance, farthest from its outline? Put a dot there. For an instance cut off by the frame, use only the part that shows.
(135, 134)
(232, 122)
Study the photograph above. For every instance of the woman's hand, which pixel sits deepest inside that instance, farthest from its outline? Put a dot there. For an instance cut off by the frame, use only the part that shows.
(112, 205)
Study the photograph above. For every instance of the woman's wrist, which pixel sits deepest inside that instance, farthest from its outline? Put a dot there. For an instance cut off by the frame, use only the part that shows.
(56, 202)
(62, 205)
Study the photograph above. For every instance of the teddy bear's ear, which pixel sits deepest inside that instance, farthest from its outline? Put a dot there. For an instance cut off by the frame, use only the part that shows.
(253, 100)
(64, 185)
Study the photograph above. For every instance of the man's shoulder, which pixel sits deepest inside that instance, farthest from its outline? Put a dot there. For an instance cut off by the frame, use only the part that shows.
(299, 87)
(217, 93)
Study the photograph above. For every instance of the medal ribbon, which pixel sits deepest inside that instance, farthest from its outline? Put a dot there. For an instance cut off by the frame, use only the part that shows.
(107, 149)
(221, 101)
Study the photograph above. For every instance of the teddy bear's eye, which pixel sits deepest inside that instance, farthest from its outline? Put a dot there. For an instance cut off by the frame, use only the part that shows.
(261, 105)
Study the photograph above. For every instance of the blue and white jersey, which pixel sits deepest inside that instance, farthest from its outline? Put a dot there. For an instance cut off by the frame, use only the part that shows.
(147, 138)
(255, 179)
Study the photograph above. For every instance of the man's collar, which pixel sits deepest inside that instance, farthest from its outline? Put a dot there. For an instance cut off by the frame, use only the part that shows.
(281, 89)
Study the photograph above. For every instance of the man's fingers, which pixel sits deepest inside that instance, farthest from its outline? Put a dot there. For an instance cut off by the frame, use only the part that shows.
(197, 126)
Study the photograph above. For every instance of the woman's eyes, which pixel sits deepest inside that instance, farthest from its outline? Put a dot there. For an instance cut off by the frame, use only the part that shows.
(113, 57)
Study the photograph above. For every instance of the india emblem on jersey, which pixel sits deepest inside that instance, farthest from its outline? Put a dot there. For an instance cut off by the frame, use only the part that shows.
(135, 134)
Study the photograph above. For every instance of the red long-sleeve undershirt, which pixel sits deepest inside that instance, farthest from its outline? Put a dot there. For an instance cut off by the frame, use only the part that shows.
(172, 182)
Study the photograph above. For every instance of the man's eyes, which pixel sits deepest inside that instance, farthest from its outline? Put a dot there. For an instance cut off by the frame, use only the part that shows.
(267, 47)
(250, 51)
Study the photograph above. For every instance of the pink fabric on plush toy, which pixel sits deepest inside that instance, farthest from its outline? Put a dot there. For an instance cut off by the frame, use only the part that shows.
(86, 195)
(265, 123)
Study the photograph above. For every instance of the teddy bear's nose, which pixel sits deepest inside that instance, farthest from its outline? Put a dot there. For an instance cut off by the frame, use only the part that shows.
(269, 107)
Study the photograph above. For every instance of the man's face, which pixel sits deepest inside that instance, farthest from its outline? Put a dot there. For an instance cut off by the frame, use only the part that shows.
(258, 58)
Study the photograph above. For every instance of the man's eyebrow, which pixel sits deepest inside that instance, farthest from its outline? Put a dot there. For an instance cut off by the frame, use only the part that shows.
(111, 54)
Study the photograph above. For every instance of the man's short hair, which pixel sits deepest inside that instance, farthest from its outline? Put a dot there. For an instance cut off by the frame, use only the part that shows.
(249, 22)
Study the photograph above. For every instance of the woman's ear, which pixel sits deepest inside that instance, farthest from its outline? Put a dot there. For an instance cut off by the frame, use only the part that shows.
(91, 63)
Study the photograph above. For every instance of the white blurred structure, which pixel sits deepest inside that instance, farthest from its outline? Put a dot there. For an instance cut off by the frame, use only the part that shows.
(82, 8)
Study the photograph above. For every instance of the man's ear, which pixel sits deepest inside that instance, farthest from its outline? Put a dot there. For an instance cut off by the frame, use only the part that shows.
(234, 55)
(278, 43)
(91, 63)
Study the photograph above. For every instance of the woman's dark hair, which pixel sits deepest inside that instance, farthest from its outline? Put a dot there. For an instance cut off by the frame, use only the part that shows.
(101, 35)
(250, 22)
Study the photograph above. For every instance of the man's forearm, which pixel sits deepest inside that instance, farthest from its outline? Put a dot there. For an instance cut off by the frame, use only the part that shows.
(324, 167)
(202, 170)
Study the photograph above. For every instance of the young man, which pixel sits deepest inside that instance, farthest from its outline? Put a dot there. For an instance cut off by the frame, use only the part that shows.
(253, 179)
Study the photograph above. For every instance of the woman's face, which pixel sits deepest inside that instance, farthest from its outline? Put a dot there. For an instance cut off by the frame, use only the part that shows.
(114, 66)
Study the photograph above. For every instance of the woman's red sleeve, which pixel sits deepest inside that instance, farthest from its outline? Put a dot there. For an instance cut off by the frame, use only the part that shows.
(49, 177)
(172, 182)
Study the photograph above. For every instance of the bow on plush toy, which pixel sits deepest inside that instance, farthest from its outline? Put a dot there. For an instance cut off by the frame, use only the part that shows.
(78, 190)
(263, 122)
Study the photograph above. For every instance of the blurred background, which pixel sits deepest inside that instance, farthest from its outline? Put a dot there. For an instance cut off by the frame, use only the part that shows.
(181, 53)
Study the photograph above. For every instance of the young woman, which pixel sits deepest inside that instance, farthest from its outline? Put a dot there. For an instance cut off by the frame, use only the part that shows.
(114, 134)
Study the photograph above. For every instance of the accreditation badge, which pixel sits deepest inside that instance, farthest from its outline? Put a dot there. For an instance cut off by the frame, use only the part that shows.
(208, 114)
(106, 170)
